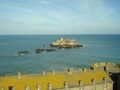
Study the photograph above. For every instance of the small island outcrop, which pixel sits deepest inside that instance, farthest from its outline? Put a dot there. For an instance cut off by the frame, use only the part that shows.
(66, 43)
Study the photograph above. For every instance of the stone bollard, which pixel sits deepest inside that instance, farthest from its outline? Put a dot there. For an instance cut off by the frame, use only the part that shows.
(38, 87)
(50, 86)
(69, 71)
(65, 84)
(27, 87)
(93, 83)
(19, 75)
(83, 69)
(81, 85)
(104, 87)
(43, 73)
(53, 72)
(106, 68)
(94, 87)
(104, 79)
(2, 88)
(13, 88)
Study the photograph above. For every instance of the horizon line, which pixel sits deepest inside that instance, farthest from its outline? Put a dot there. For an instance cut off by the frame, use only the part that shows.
(60, 34)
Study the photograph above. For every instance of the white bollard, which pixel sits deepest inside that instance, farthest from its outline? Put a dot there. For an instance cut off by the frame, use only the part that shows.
(66, 84)
(81, 85)
(19, 75)
(38, 87)
(53, 72)
(49, 86)
(94, 87)
(104, 79)
(43, 73)
(2, 88)
(93, 81)
(105, 87)
(27, 87)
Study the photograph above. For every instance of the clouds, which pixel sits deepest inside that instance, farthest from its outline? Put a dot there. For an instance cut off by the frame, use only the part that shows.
(50, 16)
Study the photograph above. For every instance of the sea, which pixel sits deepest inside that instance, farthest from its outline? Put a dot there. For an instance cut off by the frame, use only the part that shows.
(97, 48)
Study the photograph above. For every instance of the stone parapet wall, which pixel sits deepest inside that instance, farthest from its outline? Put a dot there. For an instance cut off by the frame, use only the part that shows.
(107, 86)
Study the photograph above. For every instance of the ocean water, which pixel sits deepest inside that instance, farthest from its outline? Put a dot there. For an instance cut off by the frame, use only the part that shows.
(97, 48)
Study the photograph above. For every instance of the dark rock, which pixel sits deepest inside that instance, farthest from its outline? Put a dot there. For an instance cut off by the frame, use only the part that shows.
(79, 46)
(40, 49)
(23, 52)
(50, 50)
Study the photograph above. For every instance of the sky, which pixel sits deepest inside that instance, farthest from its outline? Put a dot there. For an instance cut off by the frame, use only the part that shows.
(59, 17)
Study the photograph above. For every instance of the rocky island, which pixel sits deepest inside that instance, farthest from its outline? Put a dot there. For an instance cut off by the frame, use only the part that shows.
(66, 43)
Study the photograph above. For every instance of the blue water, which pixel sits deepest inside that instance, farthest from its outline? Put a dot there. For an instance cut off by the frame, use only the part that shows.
(97, 48)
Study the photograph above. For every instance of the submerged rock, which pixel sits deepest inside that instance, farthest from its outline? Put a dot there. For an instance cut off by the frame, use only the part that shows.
(16, 55)
(80, 45)
(39, 50)
(20, 53)
(23, 52)
(50, 50)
